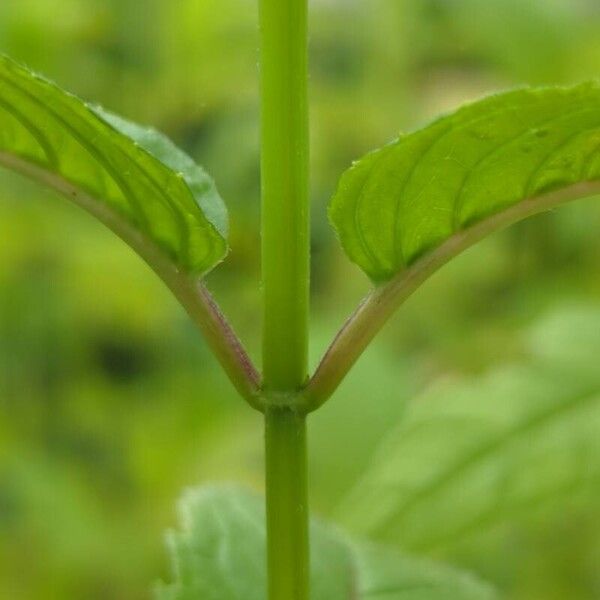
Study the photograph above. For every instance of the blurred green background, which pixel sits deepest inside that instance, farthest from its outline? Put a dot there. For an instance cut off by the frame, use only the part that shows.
(110, 403)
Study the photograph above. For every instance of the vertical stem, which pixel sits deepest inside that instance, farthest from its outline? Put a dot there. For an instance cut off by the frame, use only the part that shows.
(287, 505)
(285, 277)
(284, 166)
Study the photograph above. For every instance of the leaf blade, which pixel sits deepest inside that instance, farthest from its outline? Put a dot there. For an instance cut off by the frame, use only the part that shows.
(52, 136)
(412, 196)
(221, 555)
(474, 454)
(221, 552)
(389, 575)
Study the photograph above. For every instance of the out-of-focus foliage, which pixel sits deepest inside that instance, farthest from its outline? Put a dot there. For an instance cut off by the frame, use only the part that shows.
(397, 576)
(221, 555)
(221, 552)
(513, 453)
(110, 403)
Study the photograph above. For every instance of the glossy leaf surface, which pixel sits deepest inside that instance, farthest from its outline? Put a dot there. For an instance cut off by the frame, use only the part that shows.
(506, 152)
(133, 179)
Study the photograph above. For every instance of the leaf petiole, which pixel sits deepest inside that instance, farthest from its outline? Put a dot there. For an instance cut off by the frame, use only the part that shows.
(381, 303)
(187, 288)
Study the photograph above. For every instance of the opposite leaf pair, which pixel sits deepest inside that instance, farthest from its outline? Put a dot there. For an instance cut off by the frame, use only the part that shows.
(400, 212)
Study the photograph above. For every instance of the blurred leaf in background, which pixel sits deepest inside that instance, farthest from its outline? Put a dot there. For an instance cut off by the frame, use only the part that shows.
(110, 403)
(221, 555)
(510, 459)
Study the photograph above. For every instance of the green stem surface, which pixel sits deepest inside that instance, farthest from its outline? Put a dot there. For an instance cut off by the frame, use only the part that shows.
(285, 213)
(287, 505)
(285, 279)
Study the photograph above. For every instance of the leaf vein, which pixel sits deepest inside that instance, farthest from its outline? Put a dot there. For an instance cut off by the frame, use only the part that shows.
(489, 449)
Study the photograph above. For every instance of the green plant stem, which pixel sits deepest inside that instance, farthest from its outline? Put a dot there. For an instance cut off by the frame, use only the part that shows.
(285, 218)
(285, 278)
(287, 504)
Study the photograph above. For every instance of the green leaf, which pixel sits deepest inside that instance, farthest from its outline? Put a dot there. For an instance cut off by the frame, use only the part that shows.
(221, 552)
(467, 174)
(133, 179)
(388, 575)
(473, 455)
(220, 555)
